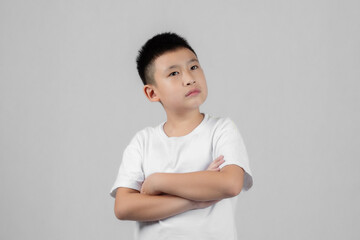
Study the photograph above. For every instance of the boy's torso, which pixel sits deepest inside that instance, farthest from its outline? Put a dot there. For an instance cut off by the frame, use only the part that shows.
(178, 156)
(192, 152)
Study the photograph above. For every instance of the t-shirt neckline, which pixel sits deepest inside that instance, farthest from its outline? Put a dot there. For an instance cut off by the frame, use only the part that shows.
(195, 130)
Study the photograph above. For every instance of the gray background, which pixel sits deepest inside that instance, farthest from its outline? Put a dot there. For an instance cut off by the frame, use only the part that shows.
(287, 72)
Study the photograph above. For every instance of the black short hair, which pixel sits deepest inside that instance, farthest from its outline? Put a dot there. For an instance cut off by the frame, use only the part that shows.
(155, 47)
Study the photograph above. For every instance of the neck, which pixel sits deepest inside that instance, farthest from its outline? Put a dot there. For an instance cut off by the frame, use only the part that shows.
(182, 124)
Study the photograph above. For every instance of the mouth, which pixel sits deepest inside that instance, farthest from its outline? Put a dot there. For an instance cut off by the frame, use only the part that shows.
(192, 92)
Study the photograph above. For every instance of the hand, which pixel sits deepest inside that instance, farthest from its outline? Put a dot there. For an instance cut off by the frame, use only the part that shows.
(149, 186)
(214, 166)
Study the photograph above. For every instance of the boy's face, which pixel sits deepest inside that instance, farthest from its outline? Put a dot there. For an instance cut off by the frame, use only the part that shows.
(176, 73)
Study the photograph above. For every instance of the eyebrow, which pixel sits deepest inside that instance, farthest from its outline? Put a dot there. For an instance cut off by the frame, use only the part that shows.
(175, 66)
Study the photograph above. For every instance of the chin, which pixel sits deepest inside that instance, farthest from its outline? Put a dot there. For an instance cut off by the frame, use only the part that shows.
(199, 103)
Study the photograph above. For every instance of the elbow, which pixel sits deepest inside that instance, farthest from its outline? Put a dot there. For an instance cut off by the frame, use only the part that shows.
(121, 210)
(234, 189)
(120, 213)
(124, 204)
(234, 176)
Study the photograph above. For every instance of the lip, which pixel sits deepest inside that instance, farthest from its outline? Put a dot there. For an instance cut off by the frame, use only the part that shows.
(192, 91)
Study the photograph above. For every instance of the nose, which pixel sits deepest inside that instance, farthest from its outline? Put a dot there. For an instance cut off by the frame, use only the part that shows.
(188, 78)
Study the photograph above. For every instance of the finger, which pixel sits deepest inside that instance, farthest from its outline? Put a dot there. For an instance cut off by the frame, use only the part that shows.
(219, 163)
(219, 158)
(214, 169)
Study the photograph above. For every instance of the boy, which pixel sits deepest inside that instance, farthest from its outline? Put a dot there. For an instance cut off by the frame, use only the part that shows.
(167, 181)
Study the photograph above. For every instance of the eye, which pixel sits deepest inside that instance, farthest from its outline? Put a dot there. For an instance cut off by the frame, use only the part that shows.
(171, 74)
(194, 66)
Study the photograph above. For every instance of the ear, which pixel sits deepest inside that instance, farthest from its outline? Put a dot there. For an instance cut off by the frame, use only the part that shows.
(150, 93)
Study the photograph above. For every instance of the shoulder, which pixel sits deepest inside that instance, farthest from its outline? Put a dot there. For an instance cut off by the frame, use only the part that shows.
(222, 123)
(137, 142)
(143, 135)
(225, 129)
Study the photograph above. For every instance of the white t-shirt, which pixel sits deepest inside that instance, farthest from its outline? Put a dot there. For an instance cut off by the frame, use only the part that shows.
(151, 150)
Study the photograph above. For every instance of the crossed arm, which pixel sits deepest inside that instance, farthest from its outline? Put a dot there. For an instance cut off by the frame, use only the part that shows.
(166, 194)
(197, 186)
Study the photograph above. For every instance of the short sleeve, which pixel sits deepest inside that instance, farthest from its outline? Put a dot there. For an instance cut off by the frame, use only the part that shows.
(229, 143)
(130, 172)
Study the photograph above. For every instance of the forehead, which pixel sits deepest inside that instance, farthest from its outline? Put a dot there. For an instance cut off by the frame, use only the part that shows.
(176, 57)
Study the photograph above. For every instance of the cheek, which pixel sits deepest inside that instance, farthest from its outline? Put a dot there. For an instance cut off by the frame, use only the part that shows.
(204, 89)
(201, 78)
(173, 93)
(203, 82)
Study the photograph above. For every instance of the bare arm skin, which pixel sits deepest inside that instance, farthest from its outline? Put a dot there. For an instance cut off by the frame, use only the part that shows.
(131, 205)
(197, 186)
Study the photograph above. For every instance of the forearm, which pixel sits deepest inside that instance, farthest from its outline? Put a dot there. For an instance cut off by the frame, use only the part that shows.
(197, 186)
(142, 207)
